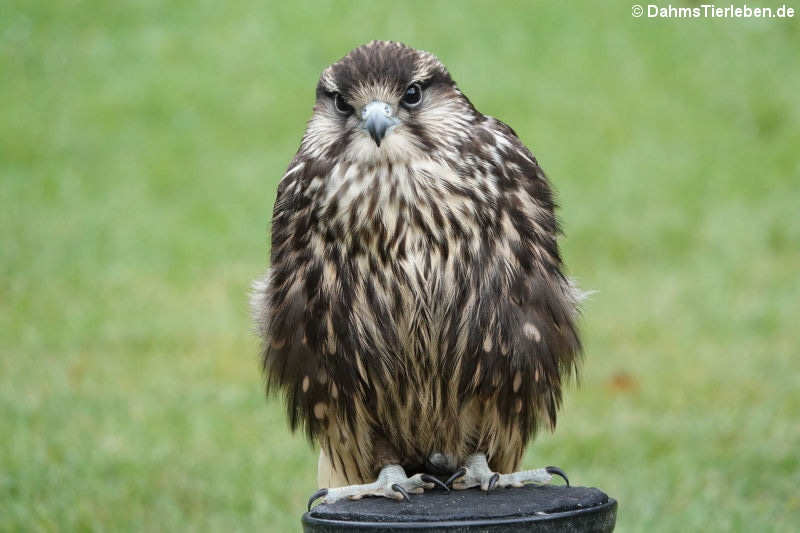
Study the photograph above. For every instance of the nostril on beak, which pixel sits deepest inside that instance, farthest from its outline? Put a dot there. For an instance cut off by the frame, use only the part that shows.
(376, 108)
(377, 119)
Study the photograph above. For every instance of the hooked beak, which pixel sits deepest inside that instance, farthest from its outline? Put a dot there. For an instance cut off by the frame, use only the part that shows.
(376, 118)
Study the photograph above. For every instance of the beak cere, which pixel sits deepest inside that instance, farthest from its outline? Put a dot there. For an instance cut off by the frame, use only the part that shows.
(376, 118)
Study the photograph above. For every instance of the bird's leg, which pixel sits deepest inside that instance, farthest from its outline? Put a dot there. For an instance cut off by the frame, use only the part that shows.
(392, 482)
(476, 472)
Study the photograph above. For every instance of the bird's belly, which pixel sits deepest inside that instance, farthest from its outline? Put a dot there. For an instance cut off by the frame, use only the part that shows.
(419, 411)
(421, 315)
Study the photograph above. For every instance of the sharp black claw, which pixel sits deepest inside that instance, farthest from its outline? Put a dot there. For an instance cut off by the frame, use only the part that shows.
(401, 490)
(457, 474)
(430, 479)
(557, 471)
(493, 482)
(319, 494)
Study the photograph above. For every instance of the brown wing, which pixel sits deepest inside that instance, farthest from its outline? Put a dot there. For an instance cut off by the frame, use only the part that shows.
(292, 312)
(522, 340)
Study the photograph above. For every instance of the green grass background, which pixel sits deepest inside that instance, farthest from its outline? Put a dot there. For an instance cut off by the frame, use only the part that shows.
(140, 147)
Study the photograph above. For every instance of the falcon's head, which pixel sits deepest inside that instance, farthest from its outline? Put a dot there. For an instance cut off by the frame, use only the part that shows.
(386, 102)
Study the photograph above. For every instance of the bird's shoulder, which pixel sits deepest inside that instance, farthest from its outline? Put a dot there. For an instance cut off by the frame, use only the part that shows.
(494, 132)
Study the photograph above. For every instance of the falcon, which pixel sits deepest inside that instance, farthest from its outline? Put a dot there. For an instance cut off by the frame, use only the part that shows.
(416, 316)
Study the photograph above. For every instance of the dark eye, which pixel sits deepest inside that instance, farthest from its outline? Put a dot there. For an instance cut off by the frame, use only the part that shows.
(341, 106)
(413, 95)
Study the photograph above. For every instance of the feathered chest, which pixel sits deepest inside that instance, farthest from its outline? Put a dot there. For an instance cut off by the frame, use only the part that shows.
(397, 211)
(397, 243)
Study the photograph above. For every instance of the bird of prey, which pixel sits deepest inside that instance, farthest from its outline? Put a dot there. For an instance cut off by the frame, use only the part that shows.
(415, 315)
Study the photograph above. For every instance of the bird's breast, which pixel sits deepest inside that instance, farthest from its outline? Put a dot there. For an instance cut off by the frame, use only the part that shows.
(394, 236)
(399, 244)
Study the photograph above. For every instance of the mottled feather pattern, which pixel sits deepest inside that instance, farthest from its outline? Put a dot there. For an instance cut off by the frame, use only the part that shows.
(415, 301)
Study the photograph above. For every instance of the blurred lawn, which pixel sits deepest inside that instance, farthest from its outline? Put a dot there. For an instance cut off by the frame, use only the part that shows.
(140, 146)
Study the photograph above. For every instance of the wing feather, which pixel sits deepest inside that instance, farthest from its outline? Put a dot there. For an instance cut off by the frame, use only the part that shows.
(522, 338)
(295, 317)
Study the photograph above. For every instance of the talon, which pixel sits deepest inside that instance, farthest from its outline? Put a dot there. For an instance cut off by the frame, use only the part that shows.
(401, 490)
(431, 479)
(493, 482)
(457, 474)
(319, 494)
(557, 471)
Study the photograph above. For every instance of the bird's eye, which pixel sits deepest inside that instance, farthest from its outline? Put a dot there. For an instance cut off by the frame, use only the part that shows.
(413, 95)
(341, 106)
